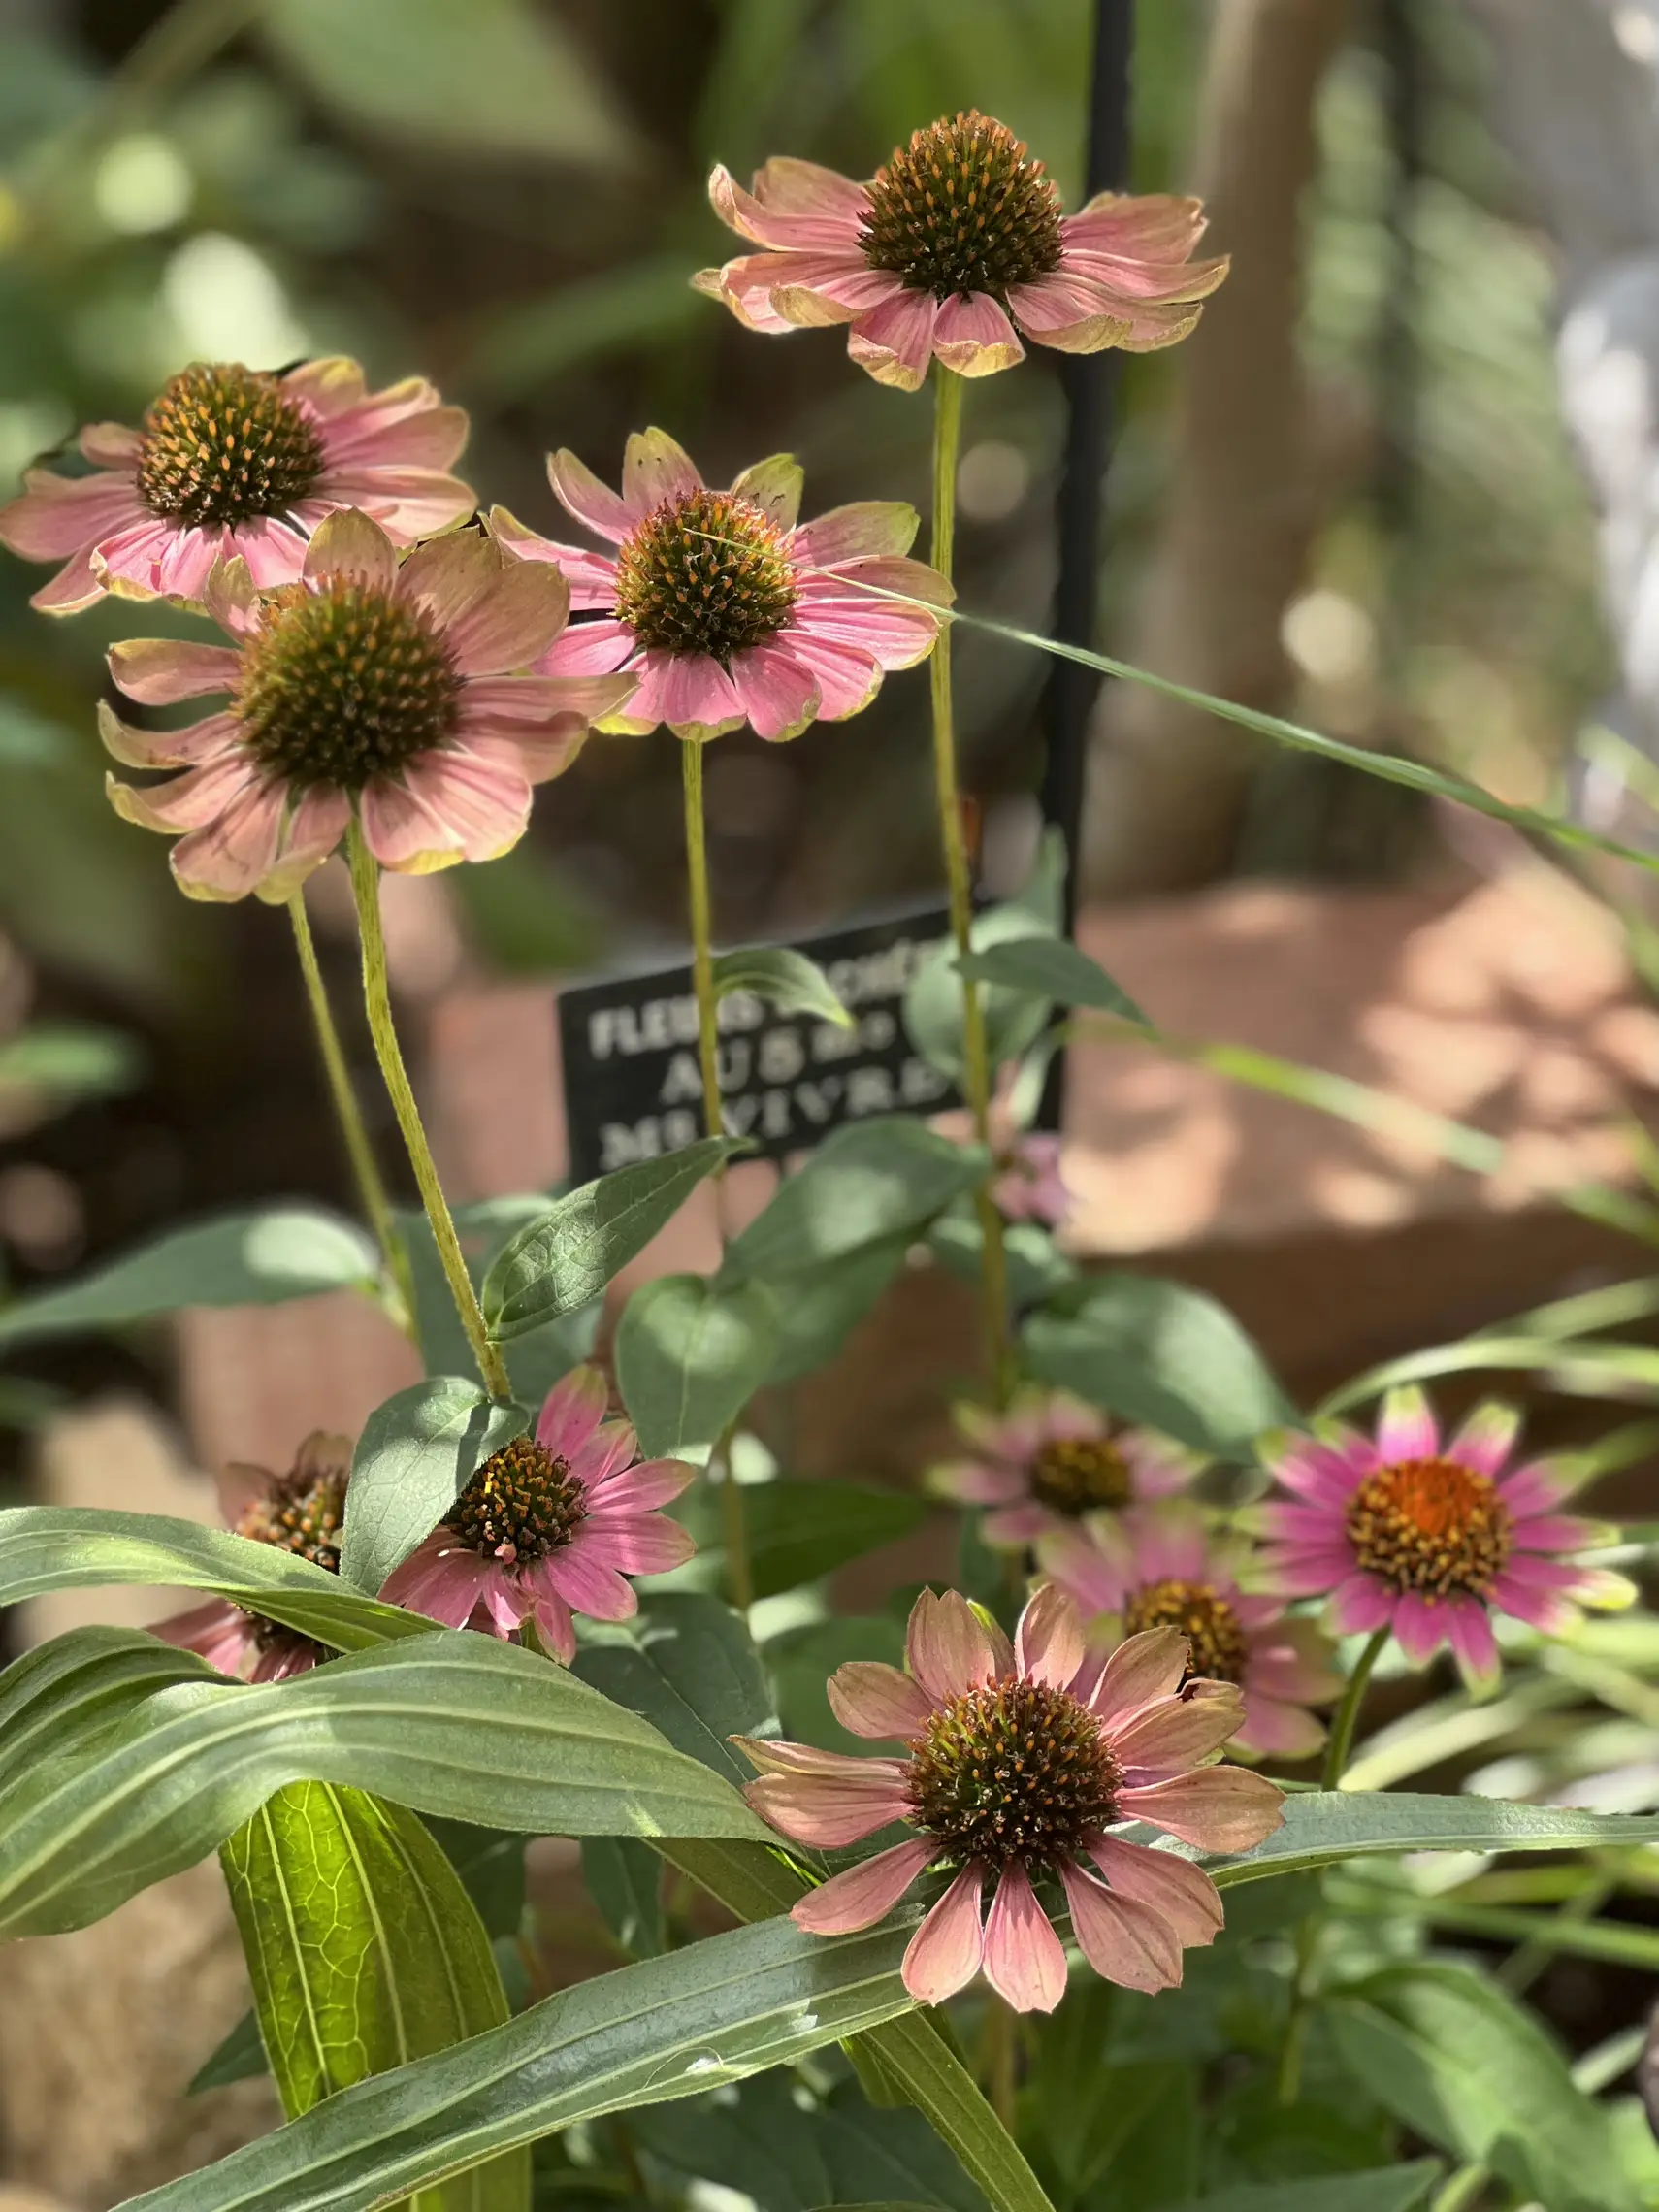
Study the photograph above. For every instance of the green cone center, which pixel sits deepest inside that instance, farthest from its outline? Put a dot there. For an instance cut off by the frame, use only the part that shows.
(705, 573)
(1013, 1770)
(962, 209)
(522, 1504)
(226, 444)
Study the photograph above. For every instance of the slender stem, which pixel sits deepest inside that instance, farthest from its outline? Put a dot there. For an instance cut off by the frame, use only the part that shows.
(1462, 2190)
(976, 1059)
(997, 2058)
(1338, 1749)
(739, 1579)
(366, 885)
(349, 1112)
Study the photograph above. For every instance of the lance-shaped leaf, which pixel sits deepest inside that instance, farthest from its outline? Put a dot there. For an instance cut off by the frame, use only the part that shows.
(690, 1355)
(871, 1182)
(415, 1453)
(784, 978)
(1323, 1826)
(449, 1723)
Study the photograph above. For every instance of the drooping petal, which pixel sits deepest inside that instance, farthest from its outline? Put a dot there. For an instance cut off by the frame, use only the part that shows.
(870, 1698)
(1174, 1888)
(554, 1624)
(1420, 1626)
(848, 676)
(439, 1578)
(974, 337)
(1218, 1808)
(1024, 1960)
(192, 747)
(55, 516)
(158, 672)
(1360, 1605)
(219, 1632)
(895, 341)
(777, 691)
(579, 1571)
(864, 1893)
(228, 858)
(1124, 1941)
(448, 806)
(827, 1813)
(1469, 1631)
(945, 1952)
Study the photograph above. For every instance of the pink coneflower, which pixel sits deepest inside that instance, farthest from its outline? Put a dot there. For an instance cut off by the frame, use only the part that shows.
(389, 690)
(955, 245)
(1017, 1762)
(300, 1512)
(233, 461)
(549, 1526)
(1155, 1568)
(726, 609)
(1050, 1461)
(1028, 1186)
(1429, 1539)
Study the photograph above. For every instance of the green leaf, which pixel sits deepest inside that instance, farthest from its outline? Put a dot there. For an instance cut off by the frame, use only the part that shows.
(1038, 1269)
(1323, 1826)
(64, 1061)
(256, 1258)
(54, 1697)
(1055, 971)
(715, 2012)
(1383, 2188)
(625, 1880)
(688, 1357)
(447, 1722)
(490, 1861)
(799, 1532)
(870, 1183)
(688, 1665)
(1161, 1354)
(813, 1315)
(541, 1355)
(1589, 1369)
(241, 2057)
(71, 1547)
(802, 1660)
(497, 77)
(365, 1952)
(415, 1455)
(784, 978)
(562, 1262)
(934, 1003)
(1466, 2068)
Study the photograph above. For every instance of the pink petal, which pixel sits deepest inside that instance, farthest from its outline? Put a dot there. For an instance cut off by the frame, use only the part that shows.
(872, 1699)
(975, 1482)
(1292, 1660)
(826, 1813)
(1296, 1573)
(314, 830)
(1420, 1626)
(219, 1632)
(554, 1625)
(690, 693)
(609, 1453)
(1274, 1728)
(974, 337)
(350, 548)
(1173, 1887)
(639, 1489)
(589, 649)
(571, 1411)
(1014, 1527)
(280, 1661)
(1406, 1428)
(55, 516)
(160, 670)
(1124, 1941)
(655, 469)
(794, 204)
(494, 612)
(581, 494)
(1362, 1605)
(230, 856)
(440, 1579)
(1143, 1669)
(1314, 1474)
(1024, 1960)
(854, 531)
(578, 1572)
(110, 445)
(1555, 1532)
(408, 504)
(864, 1893)
(890, 631)
(1048, 1643)
(1218, 1808)
(1487, 1438)
(848, 676)
(777, 691)
(1469, 1631)
(192, 747)
(1547, 1611)
(895, 341)
(1537, 1488)
(947, 1646)
(451, 805)
(1305, 1526)
(945, 1952)
(1172, 1734)
(637, 1544)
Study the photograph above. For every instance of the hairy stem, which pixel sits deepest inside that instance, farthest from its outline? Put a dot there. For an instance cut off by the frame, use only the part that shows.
(366, 885)
(349, 1112)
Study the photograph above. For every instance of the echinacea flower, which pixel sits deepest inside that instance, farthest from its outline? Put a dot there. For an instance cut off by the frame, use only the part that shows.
(235, 460)
(1051, 1461)
(1429, 1538)
(723, 604)
(392, 691)
(953, 249)
(1155, 1567)
(300, 1512)
(550, 1526)
(1028, 1186)
(1018, 1761)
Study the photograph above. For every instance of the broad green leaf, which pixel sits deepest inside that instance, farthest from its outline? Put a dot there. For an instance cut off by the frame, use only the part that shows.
(869, 1184)
(813, 1315)
(540, 1357)
(1013, 1020)
(68, 1548)
(498, 77)
(688, 1665)
(1323, 1826)
(1383, 2189)
(447, 1723)
(256, 1258)
(625, 1880)
(562, 1262)
(785, 979)
(1052, 971)
(54, 1697)
(1466, 2068)
(62, 1061)
(715, 2012)
(1038, 1269)
(365, 1952)
(1163, 1355)
(799, 1532)
(415, 1455)
(802, 1660)
(690, 1355)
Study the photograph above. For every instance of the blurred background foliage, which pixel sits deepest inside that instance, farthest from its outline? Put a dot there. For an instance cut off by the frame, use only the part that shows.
(508, 195)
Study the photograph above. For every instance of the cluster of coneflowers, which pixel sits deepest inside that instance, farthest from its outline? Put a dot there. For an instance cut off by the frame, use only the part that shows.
(396, 673)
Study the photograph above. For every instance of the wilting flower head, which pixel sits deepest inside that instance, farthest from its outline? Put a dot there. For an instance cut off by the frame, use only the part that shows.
(1429, 1538)
(300, 1512)
(1155, 1568)
(233, 460)
(950, 249)
(365, 686)
(723, 605)
(1049, 1462)
(1017, 1760)
(549, 1526)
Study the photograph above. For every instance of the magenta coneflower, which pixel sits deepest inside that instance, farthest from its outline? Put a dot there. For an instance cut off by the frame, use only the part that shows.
(953, 248)
(390, 691)
(549, 1526)
(300, 1512)
(1429, 1539)
(724, 608)
(233, 461)
(1017, 1760)
(1051, 1461)
(1155, 1568)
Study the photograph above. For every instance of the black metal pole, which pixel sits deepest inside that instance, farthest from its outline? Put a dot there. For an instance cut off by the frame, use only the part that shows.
(1089, 382)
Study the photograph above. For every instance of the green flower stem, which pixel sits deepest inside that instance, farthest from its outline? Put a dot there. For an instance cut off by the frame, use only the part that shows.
(976, 1059)
(365, 1169)
(998, 2056)
(739, 1578)
(366, 885)
(1338, 1749)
